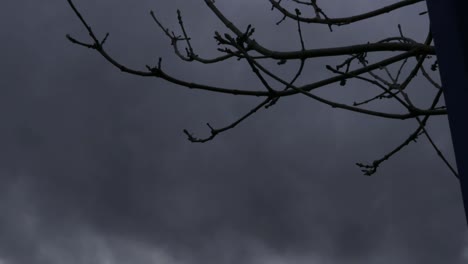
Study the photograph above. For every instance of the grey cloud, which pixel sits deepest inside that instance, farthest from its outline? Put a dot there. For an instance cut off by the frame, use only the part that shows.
(95, 167)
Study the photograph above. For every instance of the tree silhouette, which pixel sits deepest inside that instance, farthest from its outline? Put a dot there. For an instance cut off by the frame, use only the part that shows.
(240, 45)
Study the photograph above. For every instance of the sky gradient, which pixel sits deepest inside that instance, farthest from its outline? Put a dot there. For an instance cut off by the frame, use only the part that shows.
(94, 167)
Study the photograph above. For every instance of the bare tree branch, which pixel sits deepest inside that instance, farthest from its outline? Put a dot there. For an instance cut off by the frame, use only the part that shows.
(242, 46)
(344, 20)
(215, 132)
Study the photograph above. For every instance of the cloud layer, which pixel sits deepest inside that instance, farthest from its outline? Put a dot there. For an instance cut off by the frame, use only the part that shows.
(94, 166)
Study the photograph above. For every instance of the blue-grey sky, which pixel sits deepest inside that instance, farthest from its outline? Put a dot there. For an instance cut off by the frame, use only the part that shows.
(94, 167)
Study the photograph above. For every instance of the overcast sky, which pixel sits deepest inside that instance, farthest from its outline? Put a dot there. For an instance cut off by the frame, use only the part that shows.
(94, 167)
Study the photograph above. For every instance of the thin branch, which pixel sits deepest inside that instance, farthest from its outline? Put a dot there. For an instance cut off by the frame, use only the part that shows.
(215, 132)
(252, 65)
(426, 75)
(370, 169)
(439, 153)
(400, 69)
(386, 94)
(413, 73)
(299, 71)
(344, 20)
(190, 52)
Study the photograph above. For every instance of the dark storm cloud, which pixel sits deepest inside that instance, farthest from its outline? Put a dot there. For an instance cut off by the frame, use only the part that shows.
(95, 168)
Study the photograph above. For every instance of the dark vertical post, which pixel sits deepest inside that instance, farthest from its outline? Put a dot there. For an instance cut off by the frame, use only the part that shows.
(449, 27)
